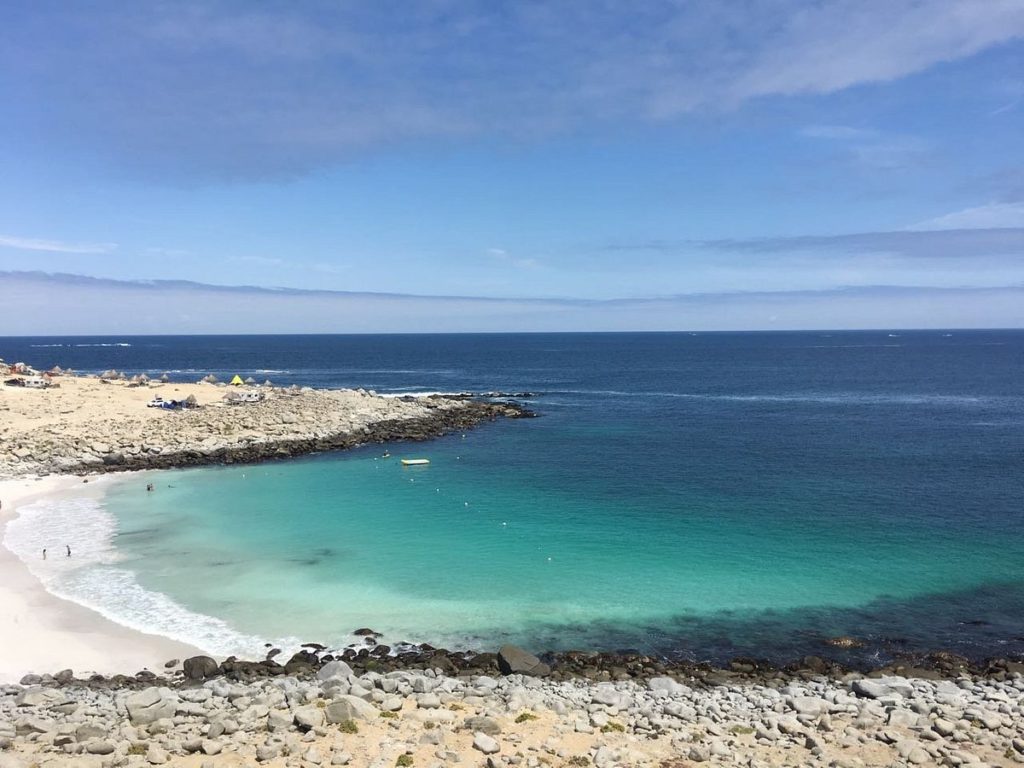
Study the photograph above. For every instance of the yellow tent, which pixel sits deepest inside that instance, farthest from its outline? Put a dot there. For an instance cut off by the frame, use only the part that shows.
(237, 381)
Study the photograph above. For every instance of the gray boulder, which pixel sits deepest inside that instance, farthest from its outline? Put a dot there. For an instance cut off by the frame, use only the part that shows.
(309, 717)
(332, 670)
(665, 685)
(483, 725)
(35, 697)
(88, 731)
(99, 748)
(485, 744)
(513, 660)
(870, 689)
(350, 708)
(149, 705)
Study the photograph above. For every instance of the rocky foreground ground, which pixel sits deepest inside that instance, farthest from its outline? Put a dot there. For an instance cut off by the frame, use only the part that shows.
(93, 425)
(333, 715)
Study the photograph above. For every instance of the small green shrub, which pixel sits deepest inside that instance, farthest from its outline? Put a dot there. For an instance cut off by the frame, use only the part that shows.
(389, 715)
(526, 716)
(348, 726)
(404, 761)
(611, 726)
(579, 760)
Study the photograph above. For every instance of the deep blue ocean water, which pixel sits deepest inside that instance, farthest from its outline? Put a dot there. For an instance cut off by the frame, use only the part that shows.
(699, 495)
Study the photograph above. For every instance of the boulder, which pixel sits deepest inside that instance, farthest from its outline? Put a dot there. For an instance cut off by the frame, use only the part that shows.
(811, 706)
(483, 725)
(35, 697)
(149, 705)
(870, 689)
(99, 748)
(307, 718)
(485, 744)
(88, 731)
(513, 660)
(665, 685)
(200, 668)
(350, 708)
(334, 670)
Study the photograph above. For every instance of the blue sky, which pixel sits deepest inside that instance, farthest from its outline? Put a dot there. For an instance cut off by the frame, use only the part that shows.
(569, 153)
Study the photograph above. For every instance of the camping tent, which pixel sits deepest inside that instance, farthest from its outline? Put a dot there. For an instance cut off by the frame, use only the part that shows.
(237, 381)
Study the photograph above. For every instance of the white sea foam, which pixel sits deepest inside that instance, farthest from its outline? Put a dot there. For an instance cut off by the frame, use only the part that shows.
(95, 576)
(418, 393)
(113, 344)
(835, 398)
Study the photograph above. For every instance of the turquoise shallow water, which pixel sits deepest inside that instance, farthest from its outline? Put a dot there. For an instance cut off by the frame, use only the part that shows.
(702, 497)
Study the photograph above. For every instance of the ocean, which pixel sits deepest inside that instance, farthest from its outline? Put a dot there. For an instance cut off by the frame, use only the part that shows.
(701, 496)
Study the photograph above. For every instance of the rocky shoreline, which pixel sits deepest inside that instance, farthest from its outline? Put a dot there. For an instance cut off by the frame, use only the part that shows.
(71, 429)
(505, 709)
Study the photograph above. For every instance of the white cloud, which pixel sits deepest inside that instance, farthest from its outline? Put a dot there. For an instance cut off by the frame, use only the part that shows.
(990, 216)
(828, 46)
(54, 246)
(298, 86)
(837, 132)
(260, 261)
(505, 257)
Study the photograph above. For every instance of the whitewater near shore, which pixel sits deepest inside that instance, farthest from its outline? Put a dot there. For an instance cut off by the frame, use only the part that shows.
(40, 632)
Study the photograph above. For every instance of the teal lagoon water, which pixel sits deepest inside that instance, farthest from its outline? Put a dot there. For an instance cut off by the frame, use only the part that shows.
(700, 497)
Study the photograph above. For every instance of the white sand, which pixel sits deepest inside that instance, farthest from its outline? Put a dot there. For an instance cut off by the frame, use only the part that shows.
(42, 633)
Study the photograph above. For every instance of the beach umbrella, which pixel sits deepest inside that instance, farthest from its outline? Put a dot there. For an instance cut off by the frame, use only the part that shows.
(237, 381)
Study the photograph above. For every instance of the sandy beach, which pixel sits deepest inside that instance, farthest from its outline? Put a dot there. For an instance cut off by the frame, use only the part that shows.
(40, 632)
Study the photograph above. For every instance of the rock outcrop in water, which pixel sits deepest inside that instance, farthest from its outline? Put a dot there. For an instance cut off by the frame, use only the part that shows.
(89, 425)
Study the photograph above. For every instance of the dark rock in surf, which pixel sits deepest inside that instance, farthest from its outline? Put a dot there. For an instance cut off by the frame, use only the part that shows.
(200, 668)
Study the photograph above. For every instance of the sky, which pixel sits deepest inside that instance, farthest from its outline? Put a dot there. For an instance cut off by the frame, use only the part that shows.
(489, 165)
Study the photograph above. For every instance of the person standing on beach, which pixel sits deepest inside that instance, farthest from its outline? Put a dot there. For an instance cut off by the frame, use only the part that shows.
(69, 549)
(44, 553)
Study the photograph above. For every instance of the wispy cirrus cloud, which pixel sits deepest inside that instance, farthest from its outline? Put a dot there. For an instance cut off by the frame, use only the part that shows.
(79, 305)
(872, 149)
(500, 254)
(921, 242)
(988, 216)
(239, 90)
(54, 246)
